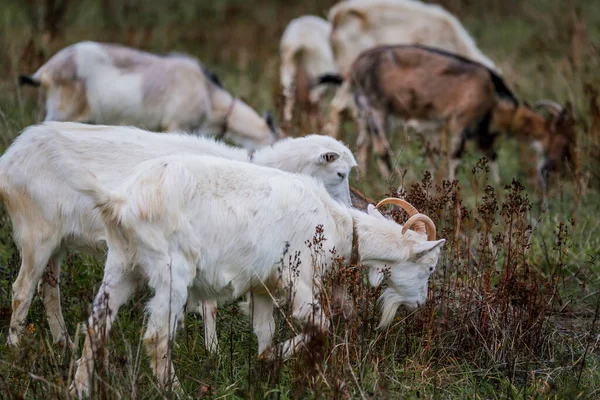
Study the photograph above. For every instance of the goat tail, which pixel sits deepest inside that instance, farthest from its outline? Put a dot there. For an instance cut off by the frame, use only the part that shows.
(330, 79)
(30, 80)
(501, 88)
(109, 204)
(86, 183)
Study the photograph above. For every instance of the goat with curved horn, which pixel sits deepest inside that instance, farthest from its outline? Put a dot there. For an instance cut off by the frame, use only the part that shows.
(406, 206)
(425, 221)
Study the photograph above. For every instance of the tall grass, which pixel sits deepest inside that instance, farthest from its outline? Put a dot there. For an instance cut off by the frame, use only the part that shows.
(513, 306)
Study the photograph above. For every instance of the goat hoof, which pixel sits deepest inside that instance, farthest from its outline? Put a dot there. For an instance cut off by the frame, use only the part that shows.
(13, 341)
(269, 355)
(266, 355)
(65, 342)
(78, 390)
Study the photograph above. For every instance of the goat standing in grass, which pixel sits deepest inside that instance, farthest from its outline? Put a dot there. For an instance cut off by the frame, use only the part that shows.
(305, 55)
(161, 228)
(109, 84)
(358, 25)
(473, 101)
(50, 217)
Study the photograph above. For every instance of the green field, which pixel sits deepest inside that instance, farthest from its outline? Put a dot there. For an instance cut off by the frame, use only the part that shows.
(513, 307)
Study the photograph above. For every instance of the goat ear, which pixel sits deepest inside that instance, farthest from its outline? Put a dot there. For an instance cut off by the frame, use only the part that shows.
(270, 121)
(372, 211)
(424, 247)
(360, 15)
(329, 157)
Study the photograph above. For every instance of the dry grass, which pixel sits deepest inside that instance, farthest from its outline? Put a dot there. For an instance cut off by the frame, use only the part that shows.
(513, 307)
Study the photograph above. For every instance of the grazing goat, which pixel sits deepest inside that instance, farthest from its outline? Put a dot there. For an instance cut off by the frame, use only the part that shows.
(115, 85)
(358, 25)
(50, 217)
(208, 308)
(305, 55)
(471, 100)
(198, 227)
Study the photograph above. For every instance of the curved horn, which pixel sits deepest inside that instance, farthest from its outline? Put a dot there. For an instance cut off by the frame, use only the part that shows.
(424, 219)
(552, 106)
(406, 206)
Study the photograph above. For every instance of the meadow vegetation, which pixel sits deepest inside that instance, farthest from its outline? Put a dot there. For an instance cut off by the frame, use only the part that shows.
(513, 308)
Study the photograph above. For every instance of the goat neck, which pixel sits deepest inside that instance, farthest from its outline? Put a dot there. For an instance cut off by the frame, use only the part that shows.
(242, 124)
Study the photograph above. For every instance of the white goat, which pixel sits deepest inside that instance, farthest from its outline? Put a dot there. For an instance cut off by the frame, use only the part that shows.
(115, 85)
(161, 228)
(305, 53)
(358, 25)
(50, 217)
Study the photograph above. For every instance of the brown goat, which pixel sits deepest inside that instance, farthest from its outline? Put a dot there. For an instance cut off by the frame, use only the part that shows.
(417, 82)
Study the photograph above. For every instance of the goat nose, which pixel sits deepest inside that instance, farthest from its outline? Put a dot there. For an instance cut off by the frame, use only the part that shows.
(341, 175)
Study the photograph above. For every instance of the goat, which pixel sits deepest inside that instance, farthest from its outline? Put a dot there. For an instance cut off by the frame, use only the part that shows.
(46, 226)
(110, 84)
(305, 53)
(358, 25)
(472, 100)
(208, 308)
(161, 228)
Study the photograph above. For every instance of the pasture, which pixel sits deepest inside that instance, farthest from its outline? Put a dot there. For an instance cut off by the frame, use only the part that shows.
(514, 305)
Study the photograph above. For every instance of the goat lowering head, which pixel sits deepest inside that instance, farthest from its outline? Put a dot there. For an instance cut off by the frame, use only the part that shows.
(560, 149)
(245, 126)
(553, 137)
(322, 157)
(410, 261)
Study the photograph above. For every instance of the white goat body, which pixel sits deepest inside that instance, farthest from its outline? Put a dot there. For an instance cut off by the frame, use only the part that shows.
(161, 228)
(110, 84)
(304, 49)
(358, 25)
(50, 217)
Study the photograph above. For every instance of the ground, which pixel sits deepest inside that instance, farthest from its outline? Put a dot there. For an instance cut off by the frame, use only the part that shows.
(513, 305)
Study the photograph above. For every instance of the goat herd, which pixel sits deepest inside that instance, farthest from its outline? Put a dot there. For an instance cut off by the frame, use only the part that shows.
(203, 222)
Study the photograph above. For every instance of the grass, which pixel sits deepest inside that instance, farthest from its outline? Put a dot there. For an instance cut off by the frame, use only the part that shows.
(514, 304)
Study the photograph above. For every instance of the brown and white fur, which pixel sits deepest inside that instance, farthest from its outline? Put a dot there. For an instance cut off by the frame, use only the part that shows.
(114, 85)
(358, 25)
(416, 82)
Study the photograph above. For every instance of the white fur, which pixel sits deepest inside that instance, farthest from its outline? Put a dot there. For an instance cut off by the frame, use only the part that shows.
(110, 84)
(50, 217)
(208, 228)
(362, 24)
(305, 45)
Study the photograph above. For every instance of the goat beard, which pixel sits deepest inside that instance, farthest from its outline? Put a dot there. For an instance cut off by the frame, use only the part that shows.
(391, 301)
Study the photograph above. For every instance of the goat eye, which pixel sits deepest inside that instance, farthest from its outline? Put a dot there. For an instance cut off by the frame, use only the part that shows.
(430, 269)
